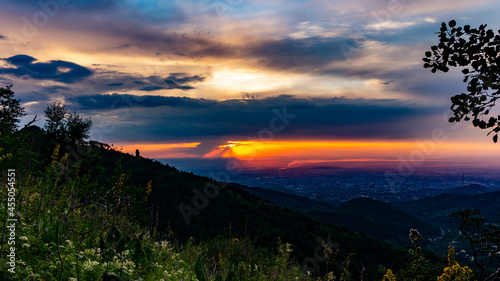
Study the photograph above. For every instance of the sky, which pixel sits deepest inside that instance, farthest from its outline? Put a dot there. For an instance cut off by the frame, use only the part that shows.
(273, 83)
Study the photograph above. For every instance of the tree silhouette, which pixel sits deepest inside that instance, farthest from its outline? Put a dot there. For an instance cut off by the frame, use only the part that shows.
(10, 110)
(477, 51)
(484, 242)
(64, 127)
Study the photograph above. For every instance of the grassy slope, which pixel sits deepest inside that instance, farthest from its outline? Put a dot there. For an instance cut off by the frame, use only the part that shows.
(241, 213)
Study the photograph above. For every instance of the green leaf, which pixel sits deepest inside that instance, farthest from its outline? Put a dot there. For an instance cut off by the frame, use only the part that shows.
(495, 138)
(102, 245)
(428, 54)
(452, 23)
(121, 245)
(114, 235)
(200, 269)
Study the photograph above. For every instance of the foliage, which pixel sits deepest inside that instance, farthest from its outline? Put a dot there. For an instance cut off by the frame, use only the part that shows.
(454, 271)
(484, 242)
(341, 269)
(64, 127)
(71, 227)
(10, 110)
(477, 51)
(420, 268)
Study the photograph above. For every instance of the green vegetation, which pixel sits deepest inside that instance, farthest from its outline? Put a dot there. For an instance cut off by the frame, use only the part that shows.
(84, 211)
(71, 227)
(376, 218)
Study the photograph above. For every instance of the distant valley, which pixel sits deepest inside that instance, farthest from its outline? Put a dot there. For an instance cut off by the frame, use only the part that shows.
(391, 222)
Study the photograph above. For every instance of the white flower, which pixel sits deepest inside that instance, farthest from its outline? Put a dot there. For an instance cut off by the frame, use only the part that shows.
(23, 238)
(89, 265)
(69, 243)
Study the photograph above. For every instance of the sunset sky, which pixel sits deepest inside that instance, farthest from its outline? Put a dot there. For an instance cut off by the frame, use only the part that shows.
(298, 81)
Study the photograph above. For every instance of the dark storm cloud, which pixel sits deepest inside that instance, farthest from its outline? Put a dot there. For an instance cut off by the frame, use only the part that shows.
(117, 81)
(56, 70)
(302, 54)
(21, 67)
(114, 101)
(181, 118)
(179, 81)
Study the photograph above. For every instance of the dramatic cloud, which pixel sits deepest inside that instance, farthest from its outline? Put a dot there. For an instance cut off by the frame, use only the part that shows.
(350, 69)
(185, 118)
(115, 101)
(304, 54)
(116, 81)
(179, 81)
(56, 70)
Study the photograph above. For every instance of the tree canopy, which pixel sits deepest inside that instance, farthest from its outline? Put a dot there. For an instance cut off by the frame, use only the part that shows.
(10, 110)
(477, 51)
(64, 127)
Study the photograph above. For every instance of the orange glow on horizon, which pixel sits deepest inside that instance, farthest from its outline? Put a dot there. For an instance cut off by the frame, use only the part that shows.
(344, 150)
(162, 150)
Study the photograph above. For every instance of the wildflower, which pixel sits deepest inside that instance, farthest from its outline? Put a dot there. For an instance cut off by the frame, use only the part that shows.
(63, 159)
(330, 276)
(89, 265)
(415, 236)
(454, 271)
(119, 183)
(53, 158)
(389, 276)
(148, 190)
